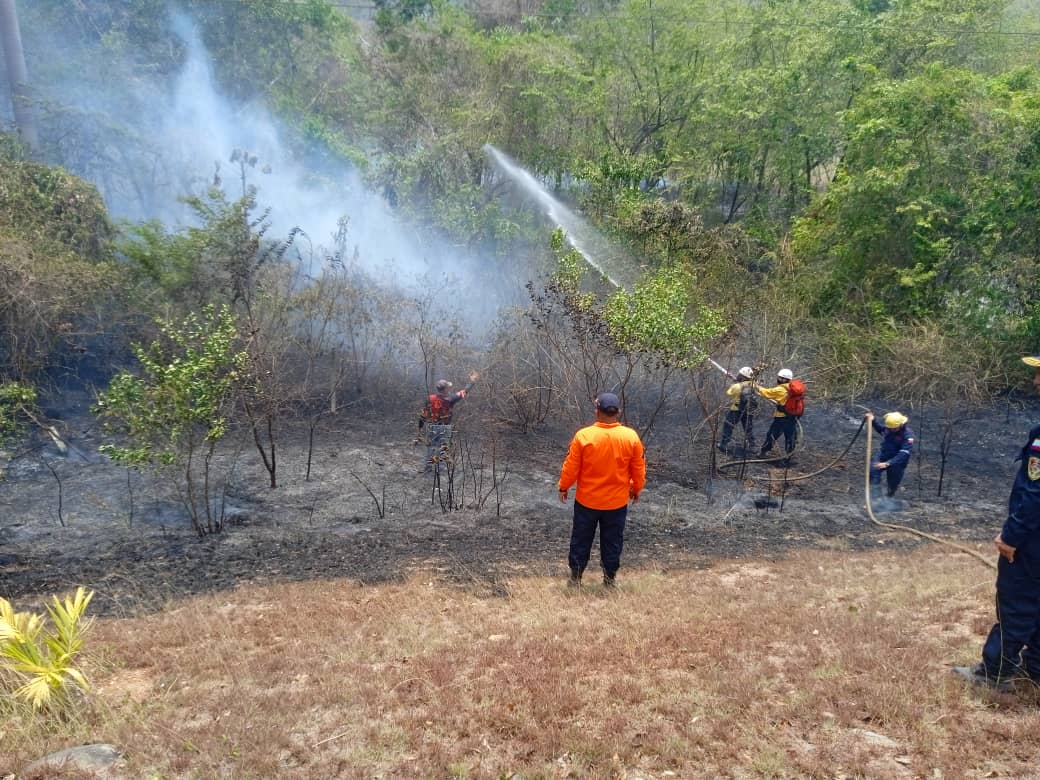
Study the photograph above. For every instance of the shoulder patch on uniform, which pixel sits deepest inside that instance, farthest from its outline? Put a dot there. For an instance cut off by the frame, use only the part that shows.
(1033, 468)
(1035, 446)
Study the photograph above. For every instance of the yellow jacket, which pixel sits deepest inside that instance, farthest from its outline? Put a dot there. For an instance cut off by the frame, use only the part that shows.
(608, 463)
(734, 393)
(777, 395)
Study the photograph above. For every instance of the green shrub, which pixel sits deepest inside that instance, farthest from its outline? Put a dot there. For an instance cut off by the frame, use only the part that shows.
(16, 402)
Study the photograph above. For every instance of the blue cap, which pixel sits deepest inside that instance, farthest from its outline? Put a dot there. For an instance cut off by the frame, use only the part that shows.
(608, 403)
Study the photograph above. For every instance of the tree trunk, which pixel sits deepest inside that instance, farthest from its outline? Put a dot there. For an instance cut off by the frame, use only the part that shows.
(17, 74)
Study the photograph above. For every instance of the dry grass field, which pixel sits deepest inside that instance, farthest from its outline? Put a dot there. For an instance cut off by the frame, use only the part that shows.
(821, 665)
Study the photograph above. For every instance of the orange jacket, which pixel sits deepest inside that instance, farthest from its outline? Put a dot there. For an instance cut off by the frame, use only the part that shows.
(607, 462)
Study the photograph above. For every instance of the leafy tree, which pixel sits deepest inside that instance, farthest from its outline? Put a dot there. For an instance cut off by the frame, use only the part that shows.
(392, 12)
(657, 328)
(885, 220)
(546, 102)
(932, 205)
(213, 262)
(256, 43)
(650, 62)
(661, 319)
(905, 38)
(222, 261)
(176, 412)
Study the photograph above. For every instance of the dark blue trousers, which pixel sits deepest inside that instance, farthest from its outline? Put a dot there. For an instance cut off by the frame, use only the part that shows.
(1013, 645)
(734, 417)
(611, 524)
(893, 475)
(788, 426)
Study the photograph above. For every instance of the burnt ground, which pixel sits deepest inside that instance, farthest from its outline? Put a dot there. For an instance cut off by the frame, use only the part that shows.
(126, 536)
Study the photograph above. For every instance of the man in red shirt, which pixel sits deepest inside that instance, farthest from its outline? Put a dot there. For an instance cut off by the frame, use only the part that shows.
(607, 461)
(436, 418)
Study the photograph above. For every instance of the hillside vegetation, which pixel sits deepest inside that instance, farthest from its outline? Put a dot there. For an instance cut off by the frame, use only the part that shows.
(863, 172)
(849, 188)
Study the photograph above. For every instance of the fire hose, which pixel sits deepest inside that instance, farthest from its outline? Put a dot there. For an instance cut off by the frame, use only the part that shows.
(785, 478)
(866, 484)
(784, 456)
(866, 492)
(894, 527)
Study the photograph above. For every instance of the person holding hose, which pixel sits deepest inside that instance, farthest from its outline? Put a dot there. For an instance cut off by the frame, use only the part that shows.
(743, 404)
(607, 461)
(897, 444)
(783, 421)
(1012, 649)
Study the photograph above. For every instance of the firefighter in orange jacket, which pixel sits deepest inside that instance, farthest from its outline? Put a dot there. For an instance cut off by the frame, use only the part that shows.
(607, 461)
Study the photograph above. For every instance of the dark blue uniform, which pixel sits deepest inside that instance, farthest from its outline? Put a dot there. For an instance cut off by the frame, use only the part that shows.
(1013, 645)
(896, 446)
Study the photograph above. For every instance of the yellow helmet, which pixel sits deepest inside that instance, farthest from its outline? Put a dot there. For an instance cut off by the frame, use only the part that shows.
(895, 420)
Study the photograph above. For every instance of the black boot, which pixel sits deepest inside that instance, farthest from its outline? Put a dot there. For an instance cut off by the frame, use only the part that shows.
(574, 581)
(608, 580)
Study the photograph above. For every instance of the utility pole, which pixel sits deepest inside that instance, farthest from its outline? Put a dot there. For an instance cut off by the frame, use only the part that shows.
(17, 74)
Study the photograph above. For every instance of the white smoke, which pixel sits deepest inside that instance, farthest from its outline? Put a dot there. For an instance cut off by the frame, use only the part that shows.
(147, 143)
(202, 128)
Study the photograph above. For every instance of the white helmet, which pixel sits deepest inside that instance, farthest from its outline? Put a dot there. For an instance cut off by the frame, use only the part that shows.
(746, 372)
(785, 373)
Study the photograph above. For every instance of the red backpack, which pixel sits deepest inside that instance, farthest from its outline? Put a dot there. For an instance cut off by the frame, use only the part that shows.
(795, 403)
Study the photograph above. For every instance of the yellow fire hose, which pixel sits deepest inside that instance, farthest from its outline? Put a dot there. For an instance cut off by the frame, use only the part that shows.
(893, 527)
(866, 492)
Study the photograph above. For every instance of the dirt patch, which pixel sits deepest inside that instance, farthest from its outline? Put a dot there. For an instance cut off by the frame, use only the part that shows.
(127, 537)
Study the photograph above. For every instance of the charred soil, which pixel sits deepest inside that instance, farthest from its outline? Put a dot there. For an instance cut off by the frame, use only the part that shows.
(369, 513)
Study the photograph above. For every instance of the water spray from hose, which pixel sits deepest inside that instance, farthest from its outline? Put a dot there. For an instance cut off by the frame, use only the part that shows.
(599, 253)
